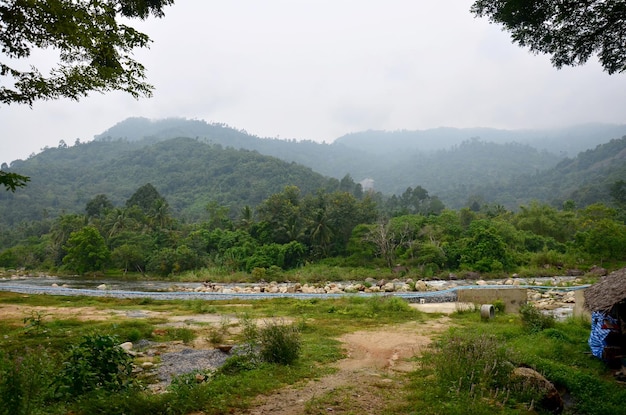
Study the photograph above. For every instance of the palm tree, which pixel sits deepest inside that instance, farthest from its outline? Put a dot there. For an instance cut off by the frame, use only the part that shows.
(321, 233)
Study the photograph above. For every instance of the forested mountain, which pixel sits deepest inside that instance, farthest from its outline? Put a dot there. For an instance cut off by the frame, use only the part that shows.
(188, 173)
(453, 164)
(330, 160)
(585, 179)
(564, 142)
(168, 205)
(209, 166)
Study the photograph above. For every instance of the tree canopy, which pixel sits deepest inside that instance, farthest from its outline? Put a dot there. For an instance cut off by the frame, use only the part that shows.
(95, 51)
(570, 31)
(12, 181)
(95, 48)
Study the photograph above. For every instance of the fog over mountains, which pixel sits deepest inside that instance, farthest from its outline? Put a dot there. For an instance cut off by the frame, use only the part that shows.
(450, 162)
(192, 163)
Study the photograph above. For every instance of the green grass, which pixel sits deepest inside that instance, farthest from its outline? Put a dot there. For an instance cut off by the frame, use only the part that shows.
(466, 370)
(457, 377)
(318, 323)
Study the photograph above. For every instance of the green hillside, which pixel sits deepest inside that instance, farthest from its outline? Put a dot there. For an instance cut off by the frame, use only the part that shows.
(188, 173)
(212, 166)
(585, 179)
(454, 164)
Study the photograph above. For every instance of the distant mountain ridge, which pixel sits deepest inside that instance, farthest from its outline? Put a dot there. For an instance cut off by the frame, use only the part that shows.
(563, 142)
(584, 179)
(450, 162)
(211, 166)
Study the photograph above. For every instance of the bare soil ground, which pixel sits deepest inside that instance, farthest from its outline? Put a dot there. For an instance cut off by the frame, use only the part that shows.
(368, 381)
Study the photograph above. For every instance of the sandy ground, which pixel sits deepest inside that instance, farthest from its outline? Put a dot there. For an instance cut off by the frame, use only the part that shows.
(367, 381)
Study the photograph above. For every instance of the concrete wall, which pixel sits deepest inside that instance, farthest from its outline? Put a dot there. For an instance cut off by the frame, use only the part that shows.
(579, 305)
(513, 298)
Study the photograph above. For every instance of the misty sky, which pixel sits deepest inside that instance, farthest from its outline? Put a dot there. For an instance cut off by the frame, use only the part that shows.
(320, 69)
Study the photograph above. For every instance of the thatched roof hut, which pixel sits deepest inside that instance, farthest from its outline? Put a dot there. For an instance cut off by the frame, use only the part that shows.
(607, 293)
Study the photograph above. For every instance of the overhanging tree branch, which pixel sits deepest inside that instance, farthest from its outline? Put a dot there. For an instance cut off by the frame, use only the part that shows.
(95, 50)
(571, 31)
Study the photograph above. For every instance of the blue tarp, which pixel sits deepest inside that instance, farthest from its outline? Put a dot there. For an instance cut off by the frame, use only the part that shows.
(601, 326)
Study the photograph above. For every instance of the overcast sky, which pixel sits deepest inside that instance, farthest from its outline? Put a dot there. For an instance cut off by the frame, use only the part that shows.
(318, 69)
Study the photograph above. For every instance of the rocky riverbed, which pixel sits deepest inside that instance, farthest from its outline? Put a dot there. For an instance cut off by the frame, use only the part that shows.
(543, 291)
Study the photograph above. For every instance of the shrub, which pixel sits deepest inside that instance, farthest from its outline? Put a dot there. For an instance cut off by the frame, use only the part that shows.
(499, 306)
(279, 343)
(98, 362)
(238, 363)
(534, 319)
(250, 332)
(473, 364)
(24, 381)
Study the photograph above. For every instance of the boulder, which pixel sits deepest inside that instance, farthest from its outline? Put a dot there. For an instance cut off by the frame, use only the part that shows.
(421, 286)
(389, 287)
(127, 346)
(550, 398)
(472, 275)
(598, 271)
(147, 365)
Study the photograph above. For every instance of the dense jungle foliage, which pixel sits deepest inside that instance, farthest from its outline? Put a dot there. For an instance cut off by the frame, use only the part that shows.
(346, 227)
(164, 206)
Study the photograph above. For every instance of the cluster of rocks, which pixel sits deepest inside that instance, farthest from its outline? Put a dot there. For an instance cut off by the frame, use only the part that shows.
(543, 300)
(370, 285)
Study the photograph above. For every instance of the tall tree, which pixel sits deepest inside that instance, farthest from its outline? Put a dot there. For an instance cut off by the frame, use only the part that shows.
(98, 206)
(86, 251)
(618, 193)
(146, 198)
(94, 42)
(282, 212)
(571, 31)
(95, 51)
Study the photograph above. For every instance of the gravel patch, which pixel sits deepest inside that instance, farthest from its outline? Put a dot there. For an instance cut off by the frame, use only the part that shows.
(189, 360)
(175, 360)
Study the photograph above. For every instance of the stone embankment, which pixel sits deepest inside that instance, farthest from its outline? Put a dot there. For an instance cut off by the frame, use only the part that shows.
(371, 285)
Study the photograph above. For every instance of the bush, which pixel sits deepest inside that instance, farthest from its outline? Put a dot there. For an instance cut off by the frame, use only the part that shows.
(96, 363)
(390, 304)
(534, 319)
(238, 363)
(25, 381)
(279, 343)
(473, 364)
(499, 306)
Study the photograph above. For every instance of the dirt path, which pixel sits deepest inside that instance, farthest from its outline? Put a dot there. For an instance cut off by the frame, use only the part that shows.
(367, 381)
